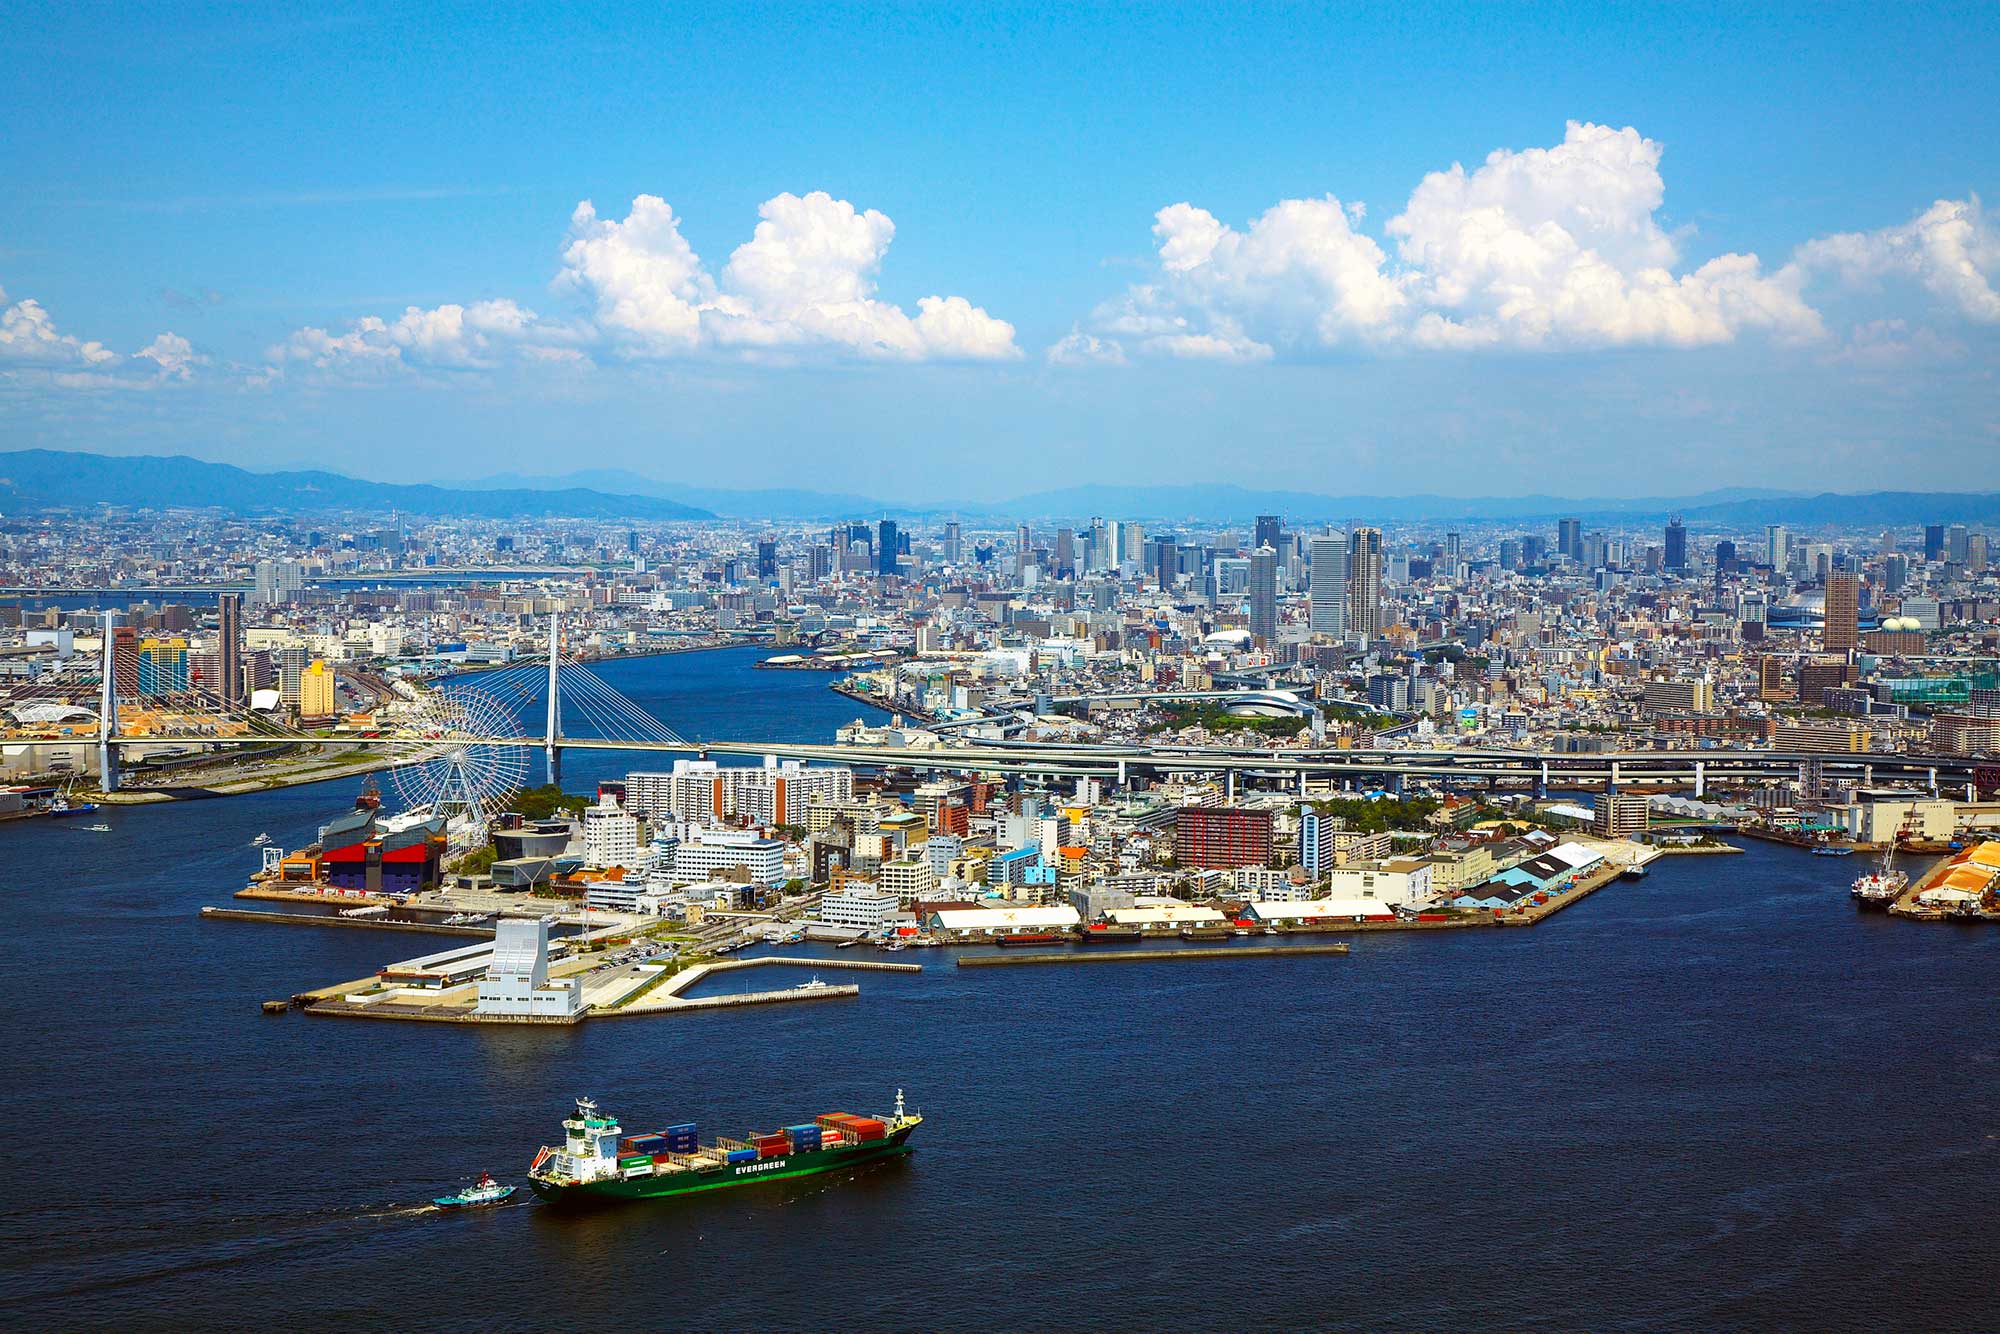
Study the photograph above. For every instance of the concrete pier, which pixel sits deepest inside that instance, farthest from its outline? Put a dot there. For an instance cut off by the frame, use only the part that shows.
(1108, 955)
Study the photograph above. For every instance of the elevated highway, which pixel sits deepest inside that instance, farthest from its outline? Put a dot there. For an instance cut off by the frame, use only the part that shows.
(1555, 769)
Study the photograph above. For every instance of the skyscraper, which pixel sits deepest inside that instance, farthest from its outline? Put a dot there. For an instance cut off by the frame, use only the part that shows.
(1453, 553)
(1065, 554)
(1777, 546)
(767, 558)
(1677, 545)
(1843, 607)
(888, 546)
(954, 543)
(1933, 541)
(1329, 586)
(1024, 549)
(1364, 578)
(1264, 596)
(1166, 561)
(229, 649)
(1270, 529)
(1569, 538)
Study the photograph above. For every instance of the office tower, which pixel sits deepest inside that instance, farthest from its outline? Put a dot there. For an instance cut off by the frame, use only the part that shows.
(1329, 586)
(1933, 542)
(1453, 553)
(1023, 549)
(888, 545)
(1569, 539)
(1976, 553)
(1264, 596)
(229, 650)
(954, 543)
(1112, 553)
(767, 558)
(1677, 545)
(1510, 553)
(1166, 561)
(1065, 554)
(1269, 531)
(1777, 546)
(1364, 579)
(1957, 543)
(1134, 538)
(1843, 593)
(819, 562)
(1895, 571)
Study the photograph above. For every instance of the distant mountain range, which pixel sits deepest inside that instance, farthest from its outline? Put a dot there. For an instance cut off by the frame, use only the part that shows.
(52, 479)
(776, 503)
(1740, 505)
(43, 479)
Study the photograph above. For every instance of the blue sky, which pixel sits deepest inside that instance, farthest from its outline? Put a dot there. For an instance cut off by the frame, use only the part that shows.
(1011, 247)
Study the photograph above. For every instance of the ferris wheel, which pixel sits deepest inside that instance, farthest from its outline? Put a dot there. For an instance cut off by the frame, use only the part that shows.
(444, 761)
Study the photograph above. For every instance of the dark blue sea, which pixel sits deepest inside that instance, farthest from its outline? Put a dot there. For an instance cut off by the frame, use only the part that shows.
(1718, 1098)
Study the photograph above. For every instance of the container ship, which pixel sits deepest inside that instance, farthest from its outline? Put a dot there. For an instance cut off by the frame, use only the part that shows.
(598, 1161)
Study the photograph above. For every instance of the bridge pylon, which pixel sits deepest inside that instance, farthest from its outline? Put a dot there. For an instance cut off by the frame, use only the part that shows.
(107, 713)
(551, 751)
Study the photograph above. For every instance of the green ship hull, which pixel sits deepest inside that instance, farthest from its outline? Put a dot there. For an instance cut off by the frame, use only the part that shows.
(723, 1176)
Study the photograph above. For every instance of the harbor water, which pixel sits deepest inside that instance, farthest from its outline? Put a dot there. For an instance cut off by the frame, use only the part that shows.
(1717, 1097)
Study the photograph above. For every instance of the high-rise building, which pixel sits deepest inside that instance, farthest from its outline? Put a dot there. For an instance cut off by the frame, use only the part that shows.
(1843, 607)
(316, 694)
(1065, 554)
(819, 562)
(954, 543)
(1329, 586)
(1364, 581)
(1677, 545)
(767, 558)
(1957, 543)
(1569, 538)
(888, 546)
(228, 651)
(1933, 541)
(1264, 596)
(1222, 836)
(1166, 561)
(1269, 532)
(1453, 554)
(1777, 546)
(1024, 549)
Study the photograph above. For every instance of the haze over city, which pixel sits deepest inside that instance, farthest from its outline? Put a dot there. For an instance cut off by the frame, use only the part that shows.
(963, 252)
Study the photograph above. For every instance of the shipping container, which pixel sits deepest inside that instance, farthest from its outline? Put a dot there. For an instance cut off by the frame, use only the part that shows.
(742, 1155)
(684, 1128)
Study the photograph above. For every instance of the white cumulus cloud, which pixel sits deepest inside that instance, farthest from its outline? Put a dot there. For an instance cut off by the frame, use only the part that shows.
(1952, 249)
(447, 337)
(1545, 247)
(804, 284)
(31, 348)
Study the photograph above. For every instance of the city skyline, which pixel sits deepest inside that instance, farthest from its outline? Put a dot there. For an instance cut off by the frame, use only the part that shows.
(1335, 271)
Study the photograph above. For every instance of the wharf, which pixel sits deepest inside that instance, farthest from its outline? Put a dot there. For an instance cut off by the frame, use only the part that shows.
(841, 992)
(365, 923)
(1147, 956)
(1532, 913)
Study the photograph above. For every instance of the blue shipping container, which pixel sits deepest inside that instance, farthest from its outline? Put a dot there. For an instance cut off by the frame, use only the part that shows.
(742, 1155)
(684, 1128)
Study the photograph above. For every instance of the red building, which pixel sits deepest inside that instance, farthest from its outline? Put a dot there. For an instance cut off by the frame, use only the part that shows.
(1222, 836)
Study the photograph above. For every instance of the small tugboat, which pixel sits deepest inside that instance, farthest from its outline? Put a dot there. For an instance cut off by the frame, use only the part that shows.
(371, 795)
(1883, 885)
(260, 840)
(1832, 850)
(481, 1192)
